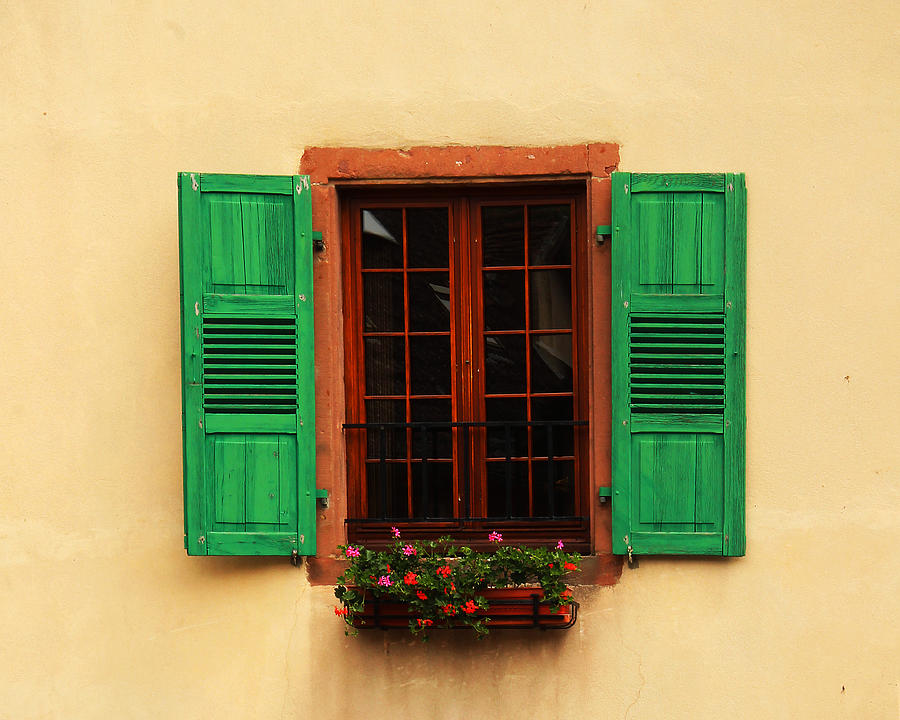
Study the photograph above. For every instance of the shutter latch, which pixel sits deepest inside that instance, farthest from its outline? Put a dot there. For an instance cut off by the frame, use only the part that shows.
(602, 232)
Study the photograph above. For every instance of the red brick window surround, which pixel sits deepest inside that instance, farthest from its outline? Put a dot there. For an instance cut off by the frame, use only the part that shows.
(344, 180)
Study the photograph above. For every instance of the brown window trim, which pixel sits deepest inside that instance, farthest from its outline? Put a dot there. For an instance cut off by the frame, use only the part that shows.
(331, 169)
(464, 203)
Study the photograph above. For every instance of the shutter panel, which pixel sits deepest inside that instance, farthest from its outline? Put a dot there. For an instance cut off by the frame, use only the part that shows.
(247, 372)
(679, 249)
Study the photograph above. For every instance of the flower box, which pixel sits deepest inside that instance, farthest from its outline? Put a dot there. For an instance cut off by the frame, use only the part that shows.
(508, 608)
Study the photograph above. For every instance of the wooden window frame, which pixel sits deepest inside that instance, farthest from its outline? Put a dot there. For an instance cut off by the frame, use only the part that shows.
(334, 170)
(468, 391)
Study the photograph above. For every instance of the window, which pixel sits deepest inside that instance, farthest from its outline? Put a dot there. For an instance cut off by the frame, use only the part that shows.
(466, 362)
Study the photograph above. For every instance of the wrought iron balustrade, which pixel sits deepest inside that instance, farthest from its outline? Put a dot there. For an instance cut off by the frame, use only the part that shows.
(420, 449)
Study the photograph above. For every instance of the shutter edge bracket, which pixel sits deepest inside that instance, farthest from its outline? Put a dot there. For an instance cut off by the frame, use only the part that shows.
(318, 241)
(602, 232)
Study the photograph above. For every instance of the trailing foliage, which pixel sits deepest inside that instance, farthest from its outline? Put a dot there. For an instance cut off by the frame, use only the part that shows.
(442, 582)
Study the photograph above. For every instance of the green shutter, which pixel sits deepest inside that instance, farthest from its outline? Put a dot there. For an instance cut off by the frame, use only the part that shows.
(678, 316)
(247, 364)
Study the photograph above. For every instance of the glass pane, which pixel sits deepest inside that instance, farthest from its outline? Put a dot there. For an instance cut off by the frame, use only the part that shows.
(429, 301)
(504, 300)
(385, 366)
(383, 302)
(549, 235)
(551, 363)
(504, 364)
(550, 296)
(382, 238)
(503, 235)
(560, 476)
(552, 408)
(499, 443)
(427, 237)
(507, 489)
(386, 485)
(432, 486)
(438, 441)
(394, 440)
(429, 365)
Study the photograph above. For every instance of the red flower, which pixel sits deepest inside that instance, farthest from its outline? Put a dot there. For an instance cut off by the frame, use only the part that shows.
(341, 611)
(469, 607)
(550, 565)
(410, 578)
(566, 594)
(424, 622)
(570, 566)
(449, 609)
(444, 571)
(421, 595)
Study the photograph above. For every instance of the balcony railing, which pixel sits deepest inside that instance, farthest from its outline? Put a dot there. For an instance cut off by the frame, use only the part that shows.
(422, 441)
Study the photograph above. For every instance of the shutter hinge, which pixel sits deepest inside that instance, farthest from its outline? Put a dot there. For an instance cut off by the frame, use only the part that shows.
(322, 495)
(602, 232)
(318, 241)
(295, 557)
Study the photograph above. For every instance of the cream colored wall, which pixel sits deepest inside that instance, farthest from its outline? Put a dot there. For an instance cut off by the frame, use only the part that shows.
(102, 613)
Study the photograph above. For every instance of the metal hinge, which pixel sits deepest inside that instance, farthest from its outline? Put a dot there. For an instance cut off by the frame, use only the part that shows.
(602, 232)
(318, 241)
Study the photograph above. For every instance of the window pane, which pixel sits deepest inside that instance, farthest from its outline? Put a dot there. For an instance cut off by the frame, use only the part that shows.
(503, 235)
(560, 476)
(438, 442)
(429, 363)
(552, 408)
(504, 364)
(427, 237)
(383, 304)
(385, 366)
(507, 488)
(382, 238)
(394, 440)
(506, 409)
(429, 302)
(550, 295)
(438, 476)
(551, 363)
(386, 490)
(549, 235)
(504, 300)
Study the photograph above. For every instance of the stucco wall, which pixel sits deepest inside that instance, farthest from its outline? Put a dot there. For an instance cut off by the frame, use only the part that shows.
(102, 613)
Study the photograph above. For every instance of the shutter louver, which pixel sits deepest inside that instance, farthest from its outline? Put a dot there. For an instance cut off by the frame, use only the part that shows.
(247, 341)
(678, 363)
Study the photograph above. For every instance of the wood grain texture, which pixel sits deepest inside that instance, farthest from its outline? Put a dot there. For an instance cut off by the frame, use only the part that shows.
(246, 261)
(678, 327)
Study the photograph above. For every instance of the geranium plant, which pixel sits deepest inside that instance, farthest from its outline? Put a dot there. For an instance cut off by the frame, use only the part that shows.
(443, 583)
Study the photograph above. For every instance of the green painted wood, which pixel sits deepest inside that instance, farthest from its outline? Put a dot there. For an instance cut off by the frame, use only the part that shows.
(677, 363)
(191, 262)
(249, 453)
(261, 184)
(250, 543)
(249, 305)
(735, 368)
(306, 415)
(675, 303)
(621, 415)
(677, 182)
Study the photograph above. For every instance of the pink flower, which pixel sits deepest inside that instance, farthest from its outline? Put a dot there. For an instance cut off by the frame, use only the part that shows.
(495, 537)
(559, 545)
(409, 550)
(395, 532)
(352, 552)
(385, 581)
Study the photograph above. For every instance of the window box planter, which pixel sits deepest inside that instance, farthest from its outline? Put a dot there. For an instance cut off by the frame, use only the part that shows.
(508, 608)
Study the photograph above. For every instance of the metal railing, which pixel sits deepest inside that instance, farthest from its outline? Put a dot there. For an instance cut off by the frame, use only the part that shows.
(424, 435)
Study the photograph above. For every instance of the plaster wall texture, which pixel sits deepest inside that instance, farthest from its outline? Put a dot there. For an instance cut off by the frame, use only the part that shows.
(103, 614)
